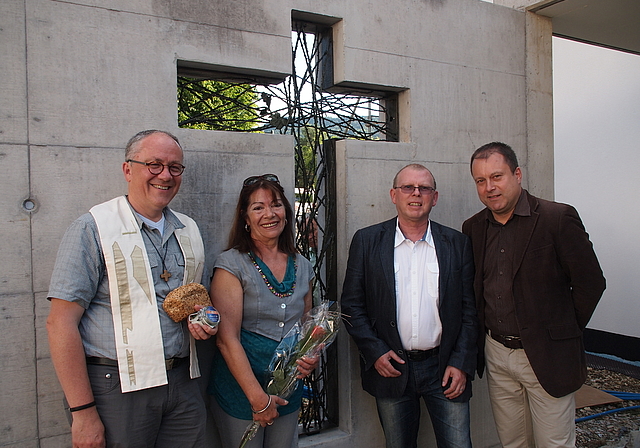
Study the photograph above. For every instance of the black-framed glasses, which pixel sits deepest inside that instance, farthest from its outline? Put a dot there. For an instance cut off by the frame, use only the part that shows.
(423, 189)
(253, 179)
(155, 168)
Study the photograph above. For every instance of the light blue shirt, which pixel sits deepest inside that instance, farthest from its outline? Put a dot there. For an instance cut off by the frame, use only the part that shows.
(80, 276)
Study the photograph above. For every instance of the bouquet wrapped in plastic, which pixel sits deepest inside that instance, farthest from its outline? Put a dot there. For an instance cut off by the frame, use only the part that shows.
(308, 337)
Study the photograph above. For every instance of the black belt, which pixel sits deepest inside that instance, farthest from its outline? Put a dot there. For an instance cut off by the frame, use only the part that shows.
(421, 355)
(170, 363)
(512, 342)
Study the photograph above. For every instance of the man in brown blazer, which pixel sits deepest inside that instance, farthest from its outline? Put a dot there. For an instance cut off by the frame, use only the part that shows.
(537, 284)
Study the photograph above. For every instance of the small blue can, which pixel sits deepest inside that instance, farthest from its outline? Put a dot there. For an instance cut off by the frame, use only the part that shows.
(208, 316)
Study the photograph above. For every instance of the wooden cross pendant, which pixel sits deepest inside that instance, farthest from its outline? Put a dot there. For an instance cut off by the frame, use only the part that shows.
(165, 275)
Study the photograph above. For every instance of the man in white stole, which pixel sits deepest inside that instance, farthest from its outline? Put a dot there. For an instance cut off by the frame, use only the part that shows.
(124, 366)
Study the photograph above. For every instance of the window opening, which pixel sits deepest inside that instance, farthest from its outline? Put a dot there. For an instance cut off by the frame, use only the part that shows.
(308, 106)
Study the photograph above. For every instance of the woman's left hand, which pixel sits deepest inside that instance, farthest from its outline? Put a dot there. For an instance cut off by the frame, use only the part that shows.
(306, 365)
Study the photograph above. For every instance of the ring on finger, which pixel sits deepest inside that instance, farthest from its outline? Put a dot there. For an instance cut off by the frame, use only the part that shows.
(269, 423)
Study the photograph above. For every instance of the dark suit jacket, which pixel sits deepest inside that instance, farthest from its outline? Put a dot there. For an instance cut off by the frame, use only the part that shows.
(369, 302)
(557, 284)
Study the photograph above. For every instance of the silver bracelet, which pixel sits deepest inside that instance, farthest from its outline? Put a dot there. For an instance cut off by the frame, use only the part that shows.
(263, 409)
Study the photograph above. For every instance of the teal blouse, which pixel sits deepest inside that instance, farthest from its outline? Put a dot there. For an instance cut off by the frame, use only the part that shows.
(266, 320)
(227, 391)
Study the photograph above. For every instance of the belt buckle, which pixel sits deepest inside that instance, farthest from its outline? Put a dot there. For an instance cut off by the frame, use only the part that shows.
(421, 355)
(512, 342)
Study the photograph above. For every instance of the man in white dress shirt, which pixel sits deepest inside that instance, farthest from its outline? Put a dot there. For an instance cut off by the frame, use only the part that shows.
(408, 299)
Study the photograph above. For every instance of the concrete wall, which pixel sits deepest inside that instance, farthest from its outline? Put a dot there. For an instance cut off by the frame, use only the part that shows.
(78, 78)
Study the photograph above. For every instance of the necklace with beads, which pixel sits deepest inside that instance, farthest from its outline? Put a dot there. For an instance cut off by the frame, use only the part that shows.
(278, 289)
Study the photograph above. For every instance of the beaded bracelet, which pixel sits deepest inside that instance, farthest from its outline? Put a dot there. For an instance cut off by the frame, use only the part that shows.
(263, 409)
(84, 406)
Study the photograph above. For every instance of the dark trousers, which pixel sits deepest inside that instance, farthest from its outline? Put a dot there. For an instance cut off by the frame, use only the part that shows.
(171, 416)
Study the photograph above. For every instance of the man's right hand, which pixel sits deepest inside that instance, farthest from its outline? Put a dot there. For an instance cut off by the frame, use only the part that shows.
(385, 368)
(87, 430)
(69, 360)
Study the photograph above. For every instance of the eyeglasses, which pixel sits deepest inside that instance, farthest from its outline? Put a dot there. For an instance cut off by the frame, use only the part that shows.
(155, 168)
(253, 179)
(423, 189)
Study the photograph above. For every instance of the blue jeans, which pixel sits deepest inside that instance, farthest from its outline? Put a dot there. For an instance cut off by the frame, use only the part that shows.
(400, 417)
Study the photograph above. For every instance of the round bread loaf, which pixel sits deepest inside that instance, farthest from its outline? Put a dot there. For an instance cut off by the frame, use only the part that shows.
(179, 303)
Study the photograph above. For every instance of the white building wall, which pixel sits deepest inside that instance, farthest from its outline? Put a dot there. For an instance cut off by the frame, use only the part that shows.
(597, 112)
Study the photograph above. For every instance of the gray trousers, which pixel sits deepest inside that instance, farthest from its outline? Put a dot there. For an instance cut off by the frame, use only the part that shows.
(170, 416)
(282, 434)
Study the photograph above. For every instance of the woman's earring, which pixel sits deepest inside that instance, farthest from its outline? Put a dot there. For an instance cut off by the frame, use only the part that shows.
(246, 227)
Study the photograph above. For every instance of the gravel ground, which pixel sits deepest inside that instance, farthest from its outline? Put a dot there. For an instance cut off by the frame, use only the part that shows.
(611, 430)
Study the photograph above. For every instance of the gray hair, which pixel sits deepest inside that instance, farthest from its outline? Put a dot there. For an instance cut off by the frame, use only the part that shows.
(132, 146)
(414, 166)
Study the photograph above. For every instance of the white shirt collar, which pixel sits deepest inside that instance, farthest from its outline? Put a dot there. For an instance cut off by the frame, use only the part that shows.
(400, 238)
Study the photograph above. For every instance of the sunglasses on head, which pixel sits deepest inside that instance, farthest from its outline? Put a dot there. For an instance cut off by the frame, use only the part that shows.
(253, 179)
